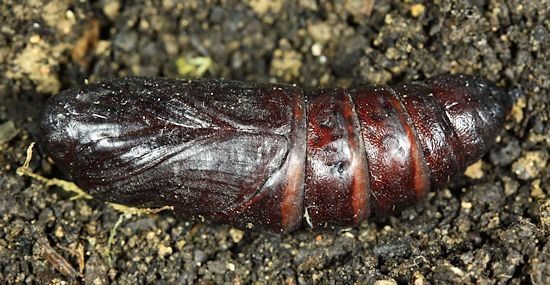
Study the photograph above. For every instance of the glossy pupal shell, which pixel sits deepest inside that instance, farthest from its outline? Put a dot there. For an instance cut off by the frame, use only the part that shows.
(232, 152)
(337, 182)
(268, 156)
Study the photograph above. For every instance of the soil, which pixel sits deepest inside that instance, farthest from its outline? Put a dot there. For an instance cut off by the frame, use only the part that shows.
(489, 226)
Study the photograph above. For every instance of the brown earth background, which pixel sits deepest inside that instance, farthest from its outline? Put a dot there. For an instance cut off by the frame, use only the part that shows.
(489, 226)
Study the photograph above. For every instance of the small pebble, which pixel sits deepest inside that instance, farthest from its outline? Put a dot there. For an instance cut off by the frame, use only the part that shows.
(417, 10)
(530, 164)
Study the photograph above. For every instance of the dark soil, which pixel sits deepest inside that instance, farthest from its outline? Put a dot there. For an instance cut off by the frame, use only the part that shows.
(490, 226)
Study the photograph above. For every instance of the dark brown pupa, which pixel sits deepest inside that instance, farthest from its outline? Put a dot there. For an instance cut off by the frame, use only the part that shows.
(269, 156)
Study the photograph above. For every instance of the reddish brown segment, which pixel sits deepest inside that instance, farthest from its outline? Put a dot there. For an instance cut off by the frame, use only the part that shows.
(336, 170)
(441, 146)
(278, 205)
(398, 174)
(475, 109)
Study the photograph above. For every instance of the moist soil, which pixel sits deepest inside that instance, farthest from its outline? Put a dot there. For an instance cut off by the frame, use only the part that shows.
(491, 225)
